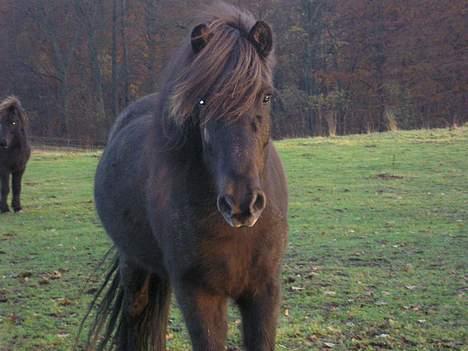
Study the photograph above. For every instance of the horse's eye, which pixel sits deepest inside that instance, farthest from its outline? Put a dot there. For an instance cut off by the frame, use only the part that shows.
(267, 99)
(202, 102)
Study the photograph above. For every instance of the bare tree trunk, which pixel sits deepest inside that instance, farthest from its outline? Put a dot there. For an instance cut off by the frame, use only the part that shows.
(151, 32)
(330, 117)
(101, 116)
(379, 59)
(124, 73)
(12, 51)
(61, 58)
(64, 104)
(312, 12)
(114, 88)
(89, 12)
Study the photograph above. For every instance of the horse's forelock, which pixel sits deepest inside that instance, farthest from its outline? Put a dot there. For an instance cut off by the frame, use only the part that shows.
(12, 103)
(228, 72)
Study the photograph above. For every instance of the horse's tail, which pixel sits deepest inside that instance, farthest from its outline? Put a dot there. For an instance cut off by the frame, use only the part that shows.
(108, 322)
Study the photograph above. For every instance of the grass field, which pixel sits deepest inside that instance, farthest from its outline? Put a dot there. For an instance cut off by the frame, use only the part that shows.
(377, 257)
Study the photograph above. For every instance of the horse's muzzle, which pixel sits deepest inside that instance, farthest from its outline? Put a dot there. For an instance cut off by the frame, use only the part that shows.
(242, 213)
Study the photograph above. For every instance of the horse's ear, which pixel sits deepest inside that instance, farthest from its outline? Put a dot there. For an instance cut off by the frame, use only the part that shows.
(261, 36)
(200, 37)
(13, 110)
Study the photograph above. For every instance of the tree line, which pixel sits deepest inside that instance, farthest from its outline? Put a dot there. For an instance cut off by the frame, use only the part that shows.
(343, 66)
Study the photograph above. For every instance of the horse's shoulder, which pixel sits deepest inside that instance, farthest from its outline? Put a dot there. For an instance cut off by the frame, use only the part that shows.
(274, 162)
(276, 179)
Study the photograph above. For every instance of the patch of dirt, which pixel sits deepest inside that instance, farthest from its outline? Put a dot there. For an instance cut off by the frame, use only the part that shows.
(8, 236)
(367, 262)
(387, 176)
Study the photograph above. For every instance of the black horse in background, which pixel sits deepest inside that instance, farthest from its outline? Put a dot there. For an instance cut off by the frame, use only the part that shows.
(14, 151)
(192, 192)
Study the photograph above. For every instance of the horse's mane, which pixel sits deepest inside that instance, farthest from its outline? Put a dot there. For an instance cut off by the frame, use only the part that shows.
(10, 104)
(228, 72)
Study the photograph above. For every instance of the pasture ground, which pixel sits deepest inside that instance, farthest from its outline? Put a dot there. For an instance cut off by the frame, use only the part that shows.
(377, 256)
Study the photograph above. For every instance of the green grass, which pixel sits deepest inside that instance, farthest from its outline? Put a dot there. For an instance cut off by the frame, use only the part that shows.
(377, 256)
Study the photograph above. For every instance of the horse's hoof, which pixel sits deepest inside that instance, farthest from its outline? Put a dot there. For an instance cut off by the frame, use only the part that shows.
(4, 210)
(18, 209)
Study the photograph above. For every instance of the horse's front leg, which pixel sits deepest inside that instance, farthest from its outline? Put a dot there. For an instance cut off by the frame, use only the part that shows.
(5, 190)
(259, 312)
(16, 187)
(205, 317)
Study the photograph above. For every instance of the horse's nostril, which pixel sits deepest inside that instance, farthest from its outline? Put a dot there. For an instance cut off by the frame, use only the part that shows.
(239, 214)
(3, 143)
(224, 204)
(258, 202)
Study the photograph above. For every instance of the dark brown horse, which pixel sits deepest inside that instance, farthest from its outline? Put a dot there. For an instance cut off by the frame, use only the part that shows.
(192, 192)
(14, 151)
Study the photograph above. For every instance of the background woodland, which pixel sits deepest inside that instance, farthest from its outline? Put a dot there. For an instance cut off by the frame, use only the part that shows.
(343, 66)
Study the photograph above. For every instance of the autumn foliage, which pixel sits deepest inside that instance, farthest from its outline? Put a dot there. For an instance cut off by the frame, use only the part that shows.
(343, 66)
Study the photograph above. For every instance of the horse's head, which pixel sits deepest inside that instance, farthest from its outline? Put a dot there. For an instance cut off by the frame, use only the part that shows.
(229, 85)
(11, 121)
(235, 154)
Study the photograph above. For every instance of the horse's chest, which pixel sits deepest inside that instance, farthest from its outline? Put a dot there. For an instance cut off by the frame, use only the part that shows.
(11, 160)
(237, 266)
(6, 162)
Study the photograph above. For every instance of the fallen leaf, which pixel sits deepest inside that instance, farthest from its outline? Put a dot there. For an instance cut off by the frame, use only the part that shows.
(64, 302)
(44, 280)
(15, 318)
(91, 291)
(55, 275)
(382, 336)
(408, 267)
(3, 298)
(25, 275)
(312, 274)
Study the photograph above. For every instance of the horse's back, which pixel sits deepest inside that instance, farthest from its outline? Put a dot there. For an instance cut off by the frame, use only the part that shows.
(143, 106)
